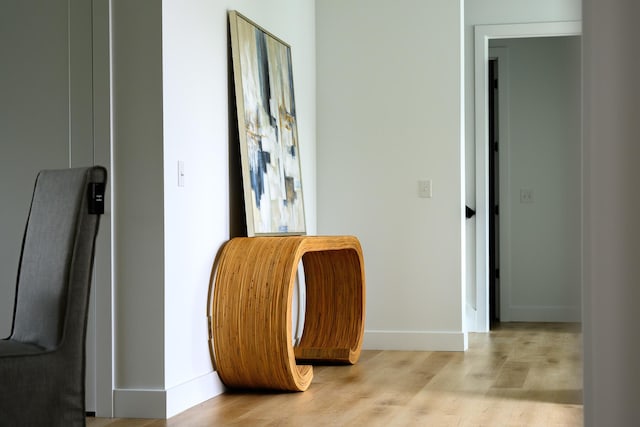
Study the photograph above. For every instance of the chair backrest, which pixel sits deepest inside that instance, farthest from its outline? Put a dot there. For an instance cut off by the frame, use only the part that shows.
(54, 273)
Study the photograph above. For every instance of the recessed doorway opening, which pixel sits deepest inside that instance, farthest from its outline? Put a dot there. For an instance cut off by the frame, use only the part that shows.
(491, 298)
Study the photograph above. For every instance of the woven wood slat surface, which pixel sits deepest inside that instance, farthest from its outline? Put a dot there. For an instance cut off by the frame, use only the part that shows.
(251, 313)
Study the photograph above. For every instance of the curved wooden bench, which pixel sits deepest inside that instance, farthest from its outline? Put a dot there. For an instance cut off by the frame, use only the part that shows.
(251, 333)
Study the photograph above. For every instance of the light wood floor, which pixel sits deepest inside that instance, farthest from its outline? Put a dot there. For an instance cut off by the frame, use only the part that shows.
(520, 374)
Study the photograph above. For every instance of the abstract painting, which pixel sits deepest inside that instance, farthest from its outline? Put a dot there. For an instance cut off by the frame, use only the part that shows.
(267, 125)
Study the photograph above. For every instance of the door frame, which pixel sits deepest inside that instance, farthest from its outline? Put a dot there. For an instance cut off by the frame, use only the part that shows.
(102, 293)
(501, 54)
(482, 34)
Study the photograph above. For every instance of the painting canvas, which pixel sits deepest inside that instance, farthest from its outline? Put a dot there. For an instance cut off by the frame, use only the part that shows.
(267, 125)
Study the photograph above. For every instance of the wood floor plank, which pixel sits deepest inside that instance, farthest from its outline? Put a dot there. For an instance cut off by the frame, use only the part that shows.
(520, 374)
(512, 375)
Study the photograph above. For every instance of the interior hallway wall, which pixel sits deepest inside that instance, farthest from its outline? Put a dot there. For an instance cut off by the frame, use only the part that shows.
(390, 115)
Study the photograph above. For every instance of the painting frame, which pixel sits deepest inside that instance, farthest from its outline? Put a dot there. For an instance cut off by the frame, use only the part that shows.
(267, 130)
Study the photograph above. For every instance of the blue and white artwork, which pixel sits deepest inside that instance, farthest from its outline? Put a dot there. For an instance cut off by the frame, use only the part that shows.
(268, 132)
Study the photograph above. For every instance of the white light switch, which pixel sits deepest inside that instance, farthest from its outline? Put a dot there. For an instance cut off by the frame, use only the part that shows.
(425, 189)
(180, 173)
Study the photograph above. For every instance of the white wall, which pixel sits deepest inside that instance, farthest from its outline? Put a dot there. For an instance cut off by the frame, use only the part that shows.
(138, 197)
(171, 103)
(540, 151)
(389, 114)
(488, 12)
(612, 236)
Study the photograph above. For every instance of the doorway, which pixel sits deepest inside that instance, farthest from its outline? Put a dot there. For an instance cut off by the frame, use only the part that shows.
(483, 34)
(536, 210)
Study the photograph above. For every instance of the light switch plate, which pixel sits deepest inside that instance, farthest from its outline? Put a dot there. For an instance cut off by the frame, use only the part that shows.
(526, 195)
(180, 173)
(425, 189)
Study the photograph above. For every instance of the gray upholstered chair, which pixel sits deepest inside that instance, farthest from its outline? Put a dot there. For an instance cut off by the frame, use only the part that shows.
(42, 363)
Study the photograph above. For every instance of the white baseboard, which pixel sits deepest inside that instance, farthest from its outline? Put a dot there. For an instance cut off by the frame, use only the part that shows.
(139, 403)
(191, 393)
(541, 314)
(161, 403)
(415, 340)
